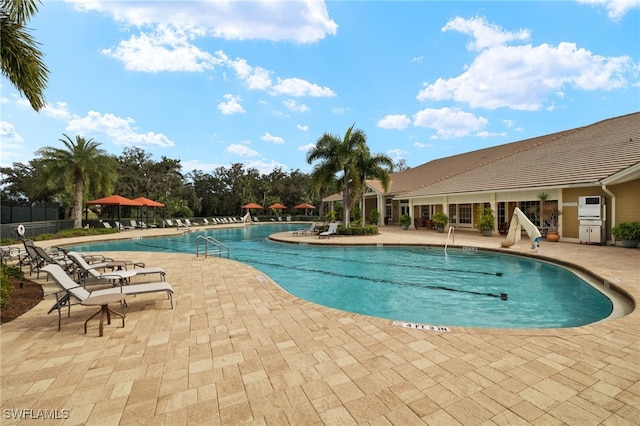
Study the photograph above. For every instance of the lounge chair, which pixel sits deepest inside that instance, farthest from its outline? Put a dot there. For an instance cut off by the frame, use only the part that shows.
(312, 229)
(189, 223)
(106, 225)
(72, 290)
(136, 225)
(86, 270)
(331, 232)
(181, 224)
(121, 226)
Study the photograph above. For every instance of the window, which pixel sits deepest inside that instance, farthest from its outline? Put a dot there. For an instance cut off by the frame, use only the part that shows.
(464, 214)
(532, 210)
(452, 213)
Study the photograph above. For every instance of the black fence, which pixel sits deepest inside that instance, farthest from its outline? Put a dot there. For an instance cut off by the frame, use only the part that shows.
(33, 229)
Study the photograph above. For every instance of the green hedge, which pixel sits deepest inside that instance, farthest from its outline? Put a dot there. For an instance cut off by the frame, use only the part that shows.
(6, 273)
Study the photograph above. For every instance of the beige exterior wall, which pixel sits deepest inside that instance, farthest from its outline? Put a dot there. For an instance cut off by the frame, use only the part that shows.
(628, 201)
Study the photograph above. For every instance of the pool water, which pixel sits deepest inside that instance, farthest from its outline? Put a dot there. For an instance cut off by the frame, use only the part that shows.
(467, 287)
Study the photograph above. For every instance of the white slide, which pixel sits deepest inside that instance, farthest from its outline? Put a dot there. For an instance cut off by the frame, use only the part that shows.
(518, 221)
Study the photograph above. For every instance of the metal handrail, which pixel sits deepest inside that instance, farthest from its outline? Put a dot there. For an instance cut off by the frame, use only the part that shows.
(452, 230)
(220, 249)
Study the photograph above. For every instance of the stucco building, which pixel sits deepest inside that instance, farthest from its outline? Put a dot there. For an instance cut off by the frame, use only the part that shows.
(599, 160)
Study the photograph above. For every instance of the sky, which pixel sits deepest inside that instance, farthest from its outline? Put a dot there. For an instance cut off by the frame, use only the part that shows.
(214, 83)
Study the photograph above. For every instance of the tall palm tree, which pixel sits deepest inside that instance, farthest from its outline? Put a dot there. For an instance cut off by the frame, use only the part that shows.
(81, 166)
(337, 161)
(20, 59)
(372, 167)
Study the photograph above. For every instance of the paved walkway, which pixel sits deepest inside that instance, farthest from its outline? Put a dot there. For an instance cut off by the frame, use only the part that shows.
(238, 349)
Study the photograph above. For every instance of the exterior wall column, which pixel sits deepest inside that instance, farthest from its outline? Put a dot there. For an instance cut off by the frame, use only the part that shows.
(412, 225)
(493, 205)
(381, 209)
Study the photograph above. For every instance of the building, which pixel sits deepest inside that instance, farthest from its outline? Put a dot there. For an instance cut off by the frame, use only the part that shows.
(599, 160)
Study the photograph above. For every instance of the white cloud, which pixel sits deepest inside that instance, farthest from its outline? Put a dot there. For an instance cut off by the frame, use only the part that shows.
(423, 145)
(418, 59)
(486, 134)
(232, 106)
(298, 21)
(397, 153)
(268, 137)
(294, 106)
(302, 127)
(118, 129)
(616, 9)
(59, 111)
(484, 35)
(166, 49)
(265, 167)
(11, 143)
(394, 121)
(9, 135)
(449, 122)
(241, 150)
(306, 147)
(523, 77)
(339, 110)
(299, 87)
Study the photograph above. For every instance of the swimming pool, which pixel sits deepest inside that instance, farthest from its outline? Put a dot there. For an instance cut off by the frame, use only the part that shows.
(415, 284)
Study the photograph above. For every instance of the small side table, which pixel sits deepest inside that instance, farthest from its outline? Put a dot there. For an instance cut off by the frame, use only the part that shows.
(103, 301)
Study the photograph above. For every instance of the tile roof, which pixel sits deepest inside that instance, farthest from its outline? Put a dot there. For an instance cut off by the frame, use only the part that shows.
(580, 156)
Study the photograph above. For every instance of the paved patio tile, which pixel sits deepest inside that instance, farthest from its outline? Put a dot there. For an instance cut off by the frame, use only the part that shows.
(236, 349)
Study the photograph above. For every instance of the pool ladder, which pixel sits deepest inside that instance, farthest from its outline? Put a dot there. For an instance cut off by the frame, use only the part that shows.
(219, 249)
(452, 230)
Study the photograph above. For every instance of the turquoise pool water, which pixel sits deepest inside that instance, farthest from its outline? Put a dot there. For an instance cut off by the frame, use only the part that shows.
(462, 288)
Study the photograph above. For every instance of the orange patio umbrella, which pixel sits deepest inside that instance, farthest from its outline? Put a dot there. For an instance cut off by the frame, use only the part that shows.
(252, 206)
(146, 202)
(304, 206)
(278, 206)
(114, 200)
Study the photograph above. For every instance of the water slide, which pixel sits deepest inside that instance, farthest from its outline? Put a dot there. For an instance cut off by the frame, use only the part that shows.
(519, 221)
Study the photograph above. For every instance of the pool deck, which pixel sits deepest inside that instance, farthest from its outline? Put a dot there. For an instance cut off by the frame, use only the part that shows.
(238, 349)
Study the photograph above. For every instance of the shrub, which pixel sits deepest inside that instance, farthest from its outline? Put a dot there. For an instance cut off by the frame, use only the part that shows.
(374, 217)
(627, 231)
(6, 273)
(440, 220)
(404, 220)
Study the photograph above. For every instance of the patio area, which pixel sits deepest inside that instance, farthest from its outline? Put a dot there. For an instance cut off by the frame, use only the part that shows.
(238, 349)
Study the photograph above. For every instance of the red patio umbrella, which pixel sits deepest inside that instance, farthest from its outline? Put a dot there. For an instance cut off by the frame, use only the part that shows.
(114, 200)
(146, 202)
(277, 206)
(304, 206)
(252, 206)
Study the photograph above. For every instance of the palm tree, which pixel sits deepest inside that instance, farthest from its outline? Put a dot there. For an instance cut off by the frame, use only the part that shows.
(338, 161)
(82, 165)
(20, 60)
(372, 167)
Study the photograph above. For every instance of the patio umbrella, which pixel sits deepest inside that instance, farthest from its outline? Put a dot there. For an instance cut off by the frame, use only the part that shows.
(146, 202)
(278, 206)
(252, 206)
(305, 207)
(115, 200)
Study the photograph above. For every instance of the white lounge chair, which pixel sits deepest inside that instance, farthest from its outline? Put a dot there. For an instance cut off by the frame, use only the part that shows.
(86, 270)
(181, 224)
(107, 225)
(331, 232)
(72, 290)
(304, 231)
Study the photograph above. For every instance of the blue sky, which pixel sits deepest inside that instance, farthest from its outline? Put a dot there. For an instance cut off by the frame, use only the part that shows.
(216, 83)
